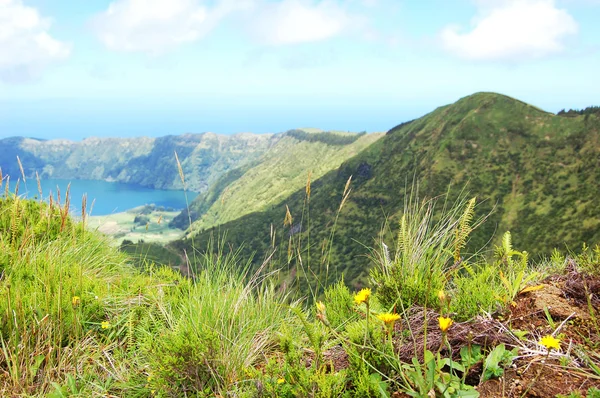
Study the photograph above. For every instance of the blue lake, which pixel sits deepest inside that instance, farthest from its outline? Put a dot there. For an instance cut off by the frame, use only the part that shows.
(108, 197)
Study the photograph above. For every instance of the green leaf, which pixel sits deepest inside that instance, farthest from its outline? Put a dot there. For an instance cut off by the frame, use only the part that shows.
(470, 355)
(37, 362)
(470, 393)
(491, 366)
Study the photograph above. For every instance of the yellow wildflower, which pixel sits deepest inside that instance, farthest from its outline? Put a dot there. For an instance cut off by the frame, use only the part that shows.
(550, 342)
(445, 323)
(75, 300)
(105, 325)
(388, 319)
(280, 381)
(362, 296)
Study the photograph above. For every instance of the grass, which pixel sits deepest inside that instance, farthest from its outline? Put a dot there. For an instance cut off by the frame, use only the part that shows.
(78, 318)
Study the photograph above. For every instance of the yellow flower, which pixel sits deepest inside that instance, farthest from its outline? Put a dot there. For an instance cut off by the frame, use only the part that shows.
(445, 323)
(362, 296)
(280, 381)
(320, 307)
(75, 300)
(550, 342)
(388, 319)
(105, 325)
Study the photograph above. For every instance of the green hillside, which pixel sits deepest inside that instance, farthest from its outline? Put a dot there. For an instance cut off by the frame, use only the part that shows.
(534, 171)
(281, 171)
(144, 161)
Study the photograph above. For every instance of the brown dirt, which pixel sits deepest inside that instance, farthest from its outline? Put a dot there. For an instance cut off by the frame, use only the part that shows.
(485, 332)
(536, 380)
(566, 298)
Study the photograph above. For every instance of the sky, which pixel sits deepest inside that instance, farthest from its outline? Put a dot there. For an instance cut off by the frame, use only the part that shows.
(74, 69)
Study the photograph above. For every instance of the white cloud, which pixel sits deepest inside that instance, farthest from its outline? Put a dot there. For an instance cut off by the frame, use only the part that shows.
(26, 47)
(298, 21)
(512, 30)
(154, 26)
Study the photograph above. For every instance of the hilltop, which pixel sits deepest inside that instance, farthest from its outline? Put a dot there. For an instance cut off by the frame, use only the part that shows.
(534, 173)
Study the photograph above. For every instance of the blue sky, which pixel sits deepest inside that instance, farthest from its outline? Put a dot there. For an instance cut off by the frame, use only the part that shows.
(73, 69)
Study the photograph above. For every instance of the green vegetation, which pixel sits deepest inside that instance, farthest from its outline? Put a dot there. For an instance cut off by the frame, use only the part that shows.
(148, 223)
(143, 161)
(536, 174)
(281, 171)
(328, 138)
(590, 110)
(78, 320)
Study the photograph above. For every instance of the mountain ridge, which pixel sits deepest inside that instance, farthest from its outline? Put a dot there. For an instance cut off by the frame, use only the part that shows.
(503, 150)
(145, 161)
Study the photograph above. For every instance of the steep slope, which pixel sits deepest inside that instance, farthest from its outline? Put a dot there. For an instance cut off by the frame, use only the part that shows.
(281, 171)
(144, 161)
(538, 173)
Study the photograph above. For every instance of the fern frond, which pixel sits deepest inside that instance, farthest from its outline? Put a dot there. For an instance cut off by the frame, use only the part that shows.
(469, 269)
(507, 243)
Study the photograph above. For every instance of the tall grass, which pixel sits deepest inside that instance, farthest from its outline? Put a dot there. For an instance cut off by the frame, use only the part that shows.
(77, 318)
(427, 253)
(224, 325)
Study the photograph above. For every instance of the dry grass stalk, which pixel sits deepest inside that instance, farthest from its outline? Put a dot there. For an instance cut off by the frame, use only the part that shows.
(83, 209)
(347, 186)
(39, 185)
(308, 185)
(288, 217)
(180, 170)
(21, 168)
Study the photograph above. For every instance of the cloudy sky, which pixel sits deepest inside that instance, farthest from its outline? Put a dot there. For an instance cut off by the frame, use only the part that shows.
(75, 68)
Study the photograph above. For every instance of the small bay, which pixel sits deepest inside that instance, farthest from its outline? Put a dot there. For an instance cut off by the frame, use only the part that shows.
(107, 197)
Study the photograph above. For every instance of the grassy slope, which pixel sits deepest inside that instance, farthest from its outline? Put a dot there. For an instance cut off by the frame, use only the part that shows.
(280, 172)
(536, 170)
